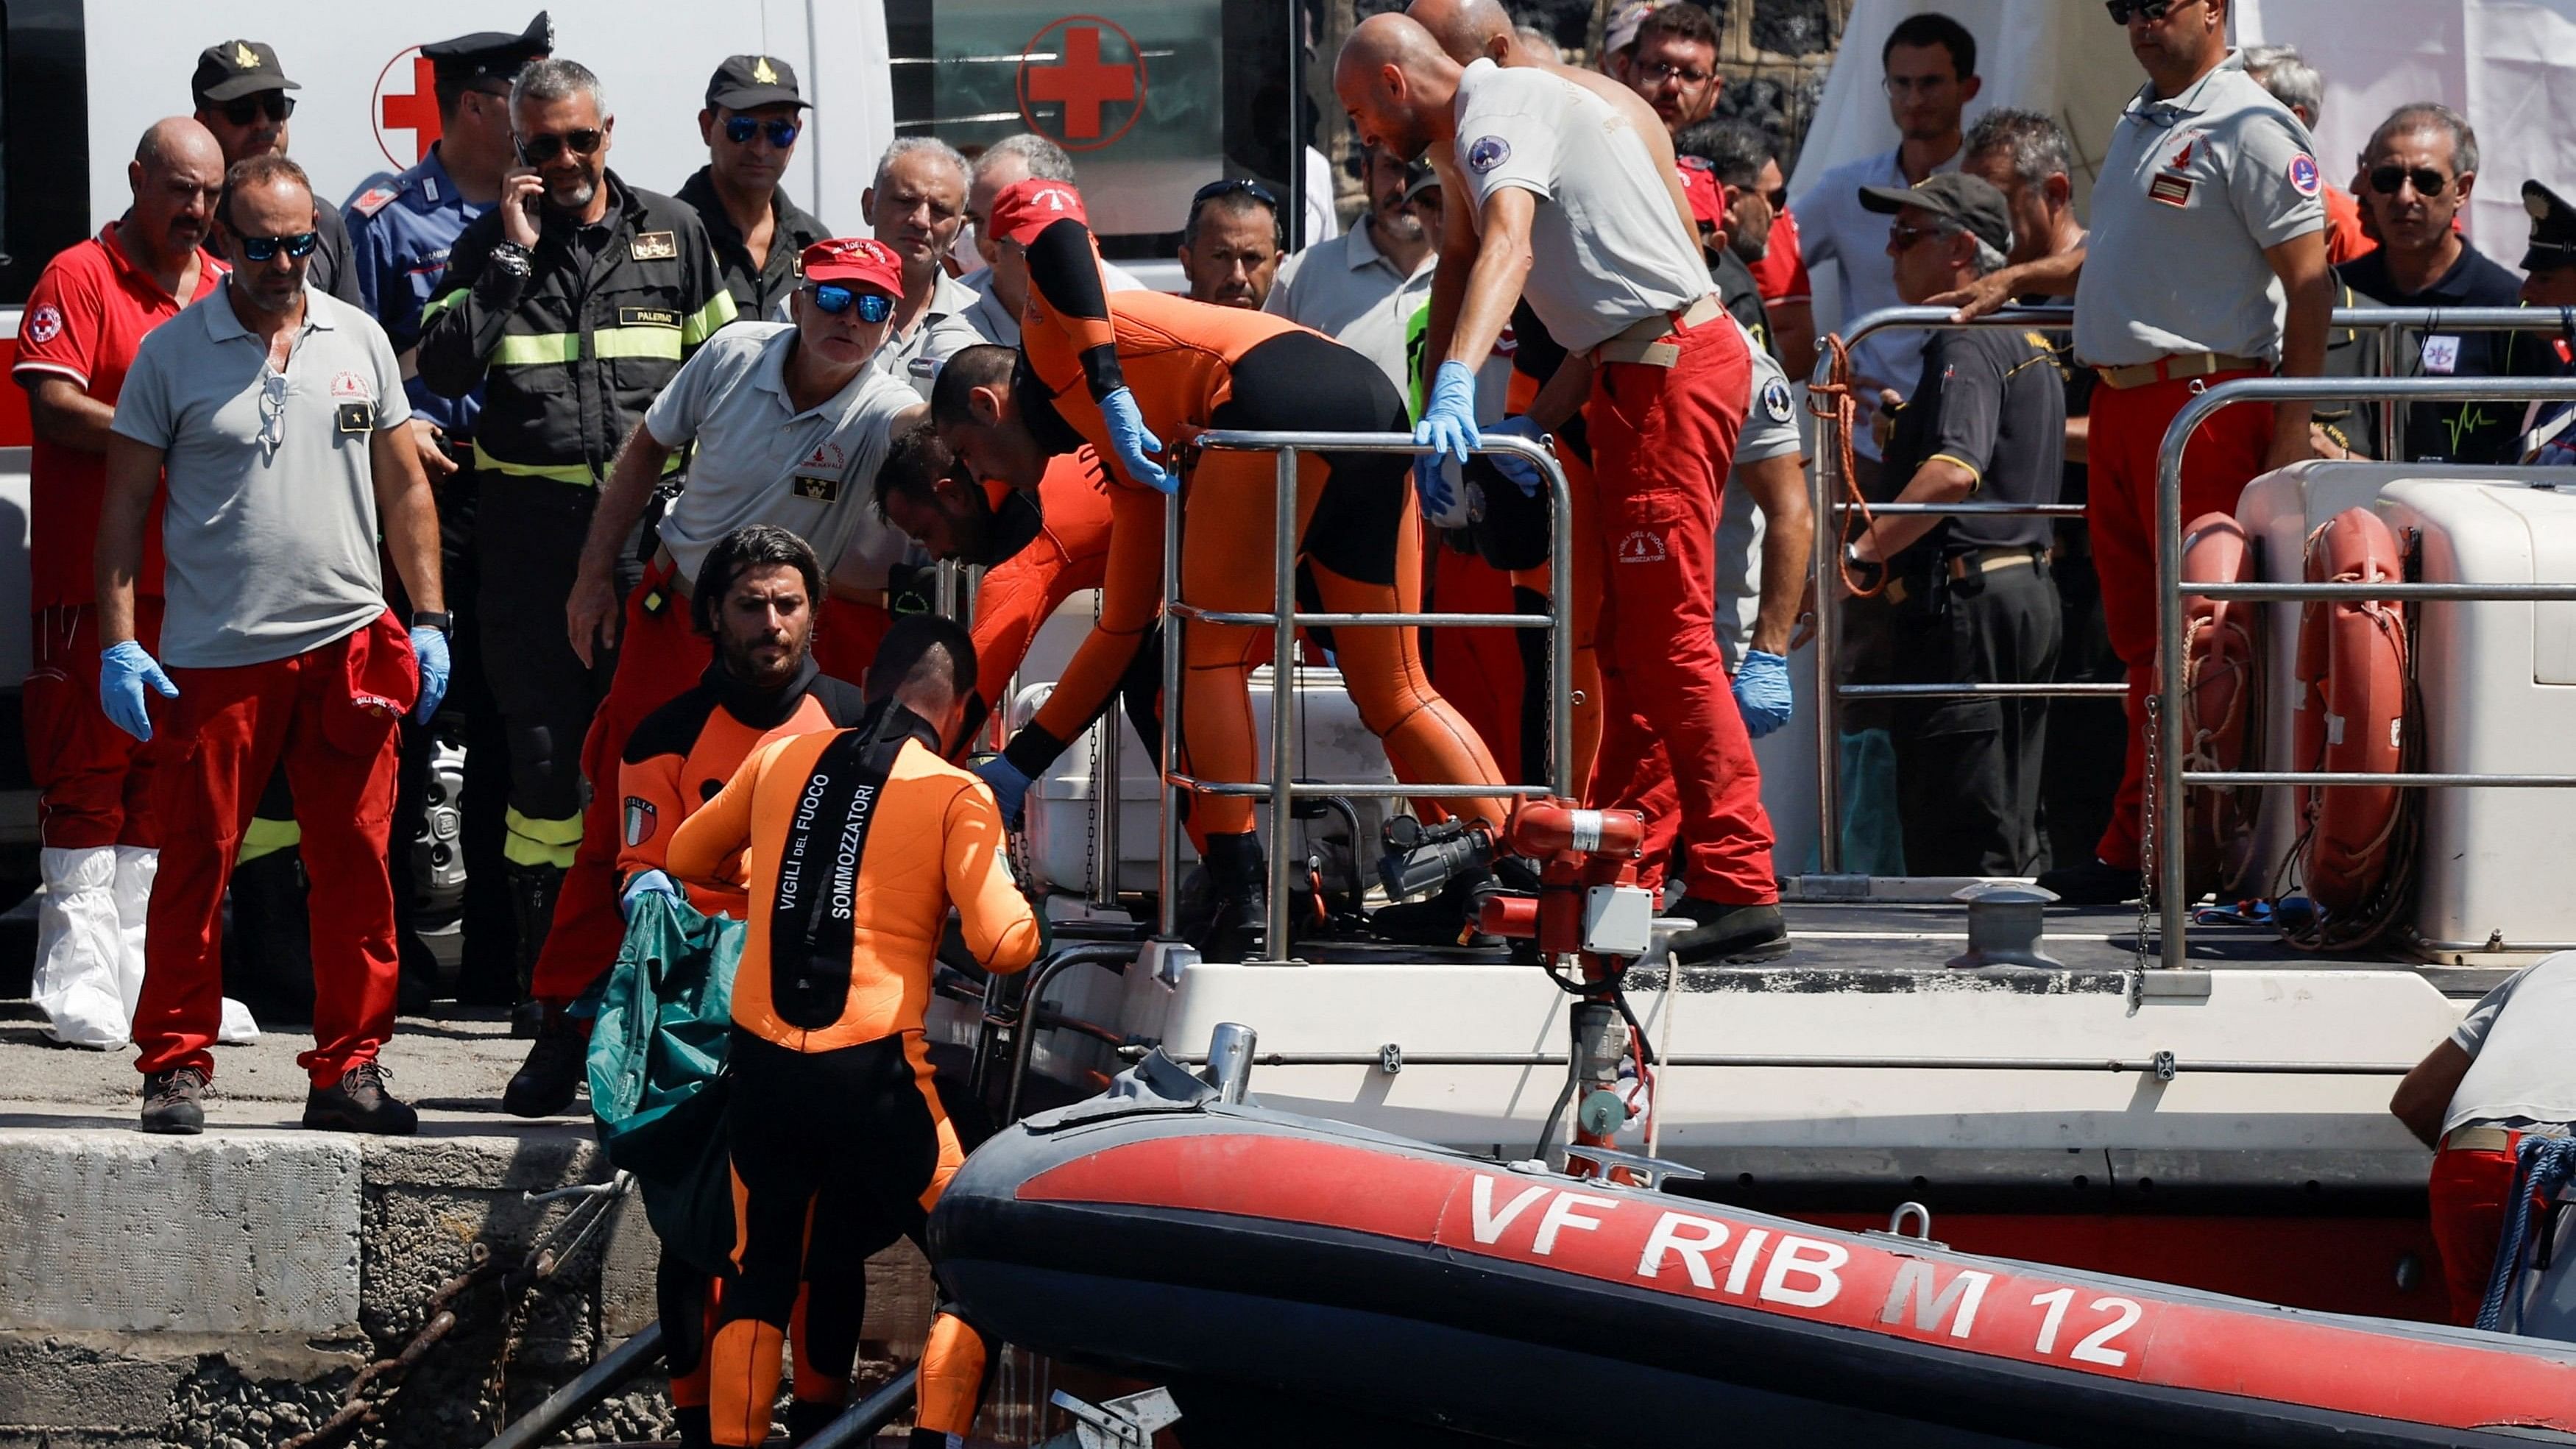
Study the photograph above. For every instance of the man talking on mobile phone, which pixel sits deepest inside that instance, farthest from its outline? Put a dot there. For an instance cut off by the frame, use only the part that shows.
(571, 303)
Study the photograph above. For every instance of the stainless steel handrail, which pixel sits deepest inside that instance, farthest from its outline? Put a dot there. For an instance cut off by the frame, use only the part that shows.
(2172, 730)
(1826, 494)
(1285, 620)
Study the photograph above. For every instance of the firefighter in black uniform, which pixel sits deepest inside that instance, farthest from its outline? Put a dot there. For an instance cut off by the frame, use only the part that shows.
(1971, 597)
(750, 124)
(570, 303)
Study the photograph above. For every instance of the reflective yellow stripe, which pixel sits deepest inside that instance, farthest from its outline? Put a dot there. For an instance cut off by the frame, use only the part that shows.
(562, 349)
(540, 842)
(537, 349)
(661, 342)
(441, 304)
(267, 837)
(702, 324)
(563, 473)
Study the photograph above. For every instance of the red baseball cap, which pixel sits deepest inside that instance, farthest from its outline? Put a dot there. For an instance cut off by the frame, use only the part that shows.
(859, 259)
(1707, 198)
(1026, 208)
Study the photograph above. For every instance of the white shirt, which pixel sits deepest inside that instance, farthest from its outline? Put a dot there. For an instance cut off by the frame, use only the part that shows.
(2519, 1059)
(1351, 292)
(997, 324)
(1837, 231)
(760, 460)
(1323, 222)
(1608, 250)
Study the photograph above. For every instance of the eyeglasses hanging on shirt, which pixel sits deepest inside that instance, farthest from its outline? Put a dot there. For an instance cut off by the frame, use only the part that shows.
(538, 150)
(272, 409)
(782, 131)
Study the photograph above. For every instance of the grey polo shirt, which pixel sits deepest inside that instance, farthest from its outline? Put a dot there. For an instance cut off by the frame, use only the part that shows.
(994, 322)
(1770, 431)
(2518, 1056)
(760, 460)
(942, 333)
(2193, 192)
(1351, 292)
(270, 527)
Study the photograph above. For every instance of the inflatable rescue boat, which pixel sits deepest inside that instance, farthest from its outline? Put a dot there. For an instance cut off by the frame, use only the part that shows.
(1295, 1281)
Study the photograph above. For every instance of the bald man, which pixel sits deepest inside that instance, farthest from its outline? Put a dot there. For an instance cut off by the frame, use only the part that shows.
(1569, 205)
(87, 315)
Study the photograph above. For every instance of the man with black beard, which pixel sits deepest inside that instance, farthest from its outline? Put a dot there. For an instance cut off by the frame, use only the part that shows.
(1736, 153)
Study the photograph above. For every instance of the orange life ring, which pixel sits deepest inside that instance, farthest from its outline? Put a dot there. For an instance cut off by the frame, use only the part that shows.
(2221, 667)
(2351, 711)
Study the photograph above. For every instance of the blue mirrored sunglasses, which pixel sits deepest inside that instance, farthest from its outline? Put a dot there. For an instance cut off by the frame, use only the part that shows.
(263, 248)
(836, 299)
(782, 131)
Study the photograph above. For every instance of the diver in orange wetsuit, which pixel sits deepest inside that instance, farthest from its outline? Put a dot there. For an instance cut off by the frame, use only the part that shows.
(860, 840)
(1127, 373)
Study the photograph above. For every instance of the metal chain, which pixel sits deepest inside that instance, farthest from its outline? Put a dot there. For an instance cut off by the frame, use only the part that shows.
(362, 1401)
(2147, 832)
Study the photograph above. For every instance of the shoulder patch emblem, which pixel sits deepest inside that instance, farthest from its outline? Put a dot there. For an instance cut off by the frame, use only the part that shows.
(1488, 152)
(2304, 178)
(374, 200)
(641, 820)
(45, 323)
(1775, 400)
(655, 246)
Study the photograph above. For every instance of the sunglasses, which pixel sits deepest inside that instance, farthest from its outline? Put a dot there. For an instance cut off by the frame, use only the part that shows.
(836, 299)
(265, 248)
(2429, 183)
(782, 131)
(244, 110)
(538, 150)
(1243, 184)
(2149, 10)
(1903, 238)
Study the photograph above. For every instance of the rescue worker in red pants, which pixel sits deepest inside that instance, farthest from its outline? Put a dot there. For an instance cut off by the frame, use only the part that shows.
(2208, 264)
(2500, 1077)
(90, 310)
(1570, 204)
(789, 421)
(755, 599)
(860, 841)
(276, 415)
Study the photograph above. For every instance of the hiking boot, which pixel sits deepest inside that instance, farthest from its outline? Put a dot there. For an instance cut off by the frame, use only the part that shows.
(358, 1102)
(806, 1418)
(527, 1020)
(174, 1101)
(1240, 928)
(691, 1423)
(2091, 883)
(545, 1084)
(1728, 935)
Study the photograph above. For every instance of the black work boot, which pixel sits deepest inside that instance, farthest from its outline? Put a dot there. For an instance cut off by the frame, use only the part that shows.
(358, 1102)
(546, 1082)
(1237, 881)
(805, 1419)
(2091, 883)
(1728, 935)
(174, 1101)
(533, 889)
(695, 1429)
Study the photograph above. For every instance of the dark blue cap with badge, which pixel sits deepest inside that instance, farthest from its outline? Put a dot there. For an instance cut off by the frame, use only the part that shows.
(236, 68)
(491, 54)
(747, 82)
(2553, 229)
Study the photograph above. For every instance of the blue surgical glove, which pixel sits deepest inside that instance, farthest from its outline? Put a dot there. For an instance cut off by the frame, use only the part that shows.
(1134, 442)
(429, 646)
(1010, 787)
(1442, 490)
(123, 670)
(647, 883)
(1449, 417)
(1762, 692)
(1520, 470)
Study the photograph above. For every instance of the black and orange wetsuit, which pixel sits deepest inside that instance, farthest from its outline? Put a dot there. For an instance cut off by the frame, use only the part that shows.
(860, 840)
(1194, 367)
(1069, 554)
(678, 757)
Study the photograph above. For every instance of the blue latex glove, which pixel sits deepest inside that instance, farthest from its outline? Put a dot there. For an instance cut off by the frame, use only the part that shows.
(429, 646)
(1449, 416)
(1520, 470)
(1134, 441)
(123, 670)
(1010, 787)
(1442, 490)
(647, 883)
(1762, 692)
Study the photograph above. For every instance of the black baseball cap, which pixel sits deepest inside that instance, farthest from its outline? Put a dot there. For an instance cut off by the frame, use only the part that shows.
(746, 81)
(238, 68)
(491, 54)
(1971, 201)
(2553, 229)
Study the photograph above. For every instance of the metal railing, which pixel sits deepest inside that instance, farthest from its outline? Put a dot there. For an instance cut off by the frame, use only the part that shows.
(1827, 493)
(2173, 729)
(1284, 619)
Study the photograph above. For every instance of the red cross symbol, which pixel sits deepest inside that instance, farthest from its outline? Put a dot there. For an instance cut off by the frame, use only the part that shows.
(415, 111)
(1082, 82)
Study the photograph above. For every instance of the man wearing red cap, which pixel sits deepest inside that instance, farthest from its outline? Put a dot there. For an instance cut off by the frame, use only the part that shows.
(790, 422)
(1127, 376)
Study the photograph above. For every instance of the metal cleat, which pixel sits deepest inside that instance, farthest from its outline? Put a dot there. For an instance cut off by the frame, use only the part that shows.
(1128, 1423)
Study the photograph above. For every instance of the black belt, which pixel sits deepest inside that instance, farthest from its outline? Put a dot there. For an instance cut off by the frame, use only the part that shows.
(1960, 568)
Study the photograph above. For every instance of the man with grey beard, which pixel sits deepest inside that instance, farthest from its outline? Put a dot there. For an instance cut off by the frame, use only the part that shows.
(1364, 288)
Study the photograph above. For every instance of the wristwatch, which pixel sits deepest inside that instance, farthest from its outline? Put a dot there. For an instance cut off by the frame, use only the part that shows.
(443, 622)
(514, 259)
(1864, 572)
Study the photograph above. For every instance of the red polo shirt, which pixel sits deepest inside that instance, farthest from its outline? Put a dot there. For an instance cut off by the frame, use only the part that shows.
(83, 321)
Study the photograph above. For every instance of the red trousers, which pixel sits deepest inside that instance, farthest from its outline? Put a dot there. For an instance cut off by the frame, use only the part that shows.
(1673, 744)
(230, 729)
(2226, 454)
(660, 657)
(2469, 1191)
(93, 780)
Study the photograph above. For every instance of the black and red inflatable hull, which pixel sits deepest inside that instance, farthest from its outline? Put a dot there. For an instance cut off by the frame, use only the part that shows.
(1301, 1282)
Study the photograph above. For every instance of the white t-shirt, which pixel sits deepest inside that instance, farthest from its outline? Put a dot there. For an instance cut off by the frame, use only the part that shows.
(1608, 250)
(2520, 1061)
(759, 460)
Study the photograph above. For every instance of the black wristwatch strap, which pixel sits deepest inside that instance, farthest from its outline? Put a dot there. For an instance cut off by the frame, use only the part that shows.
(433, 619)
